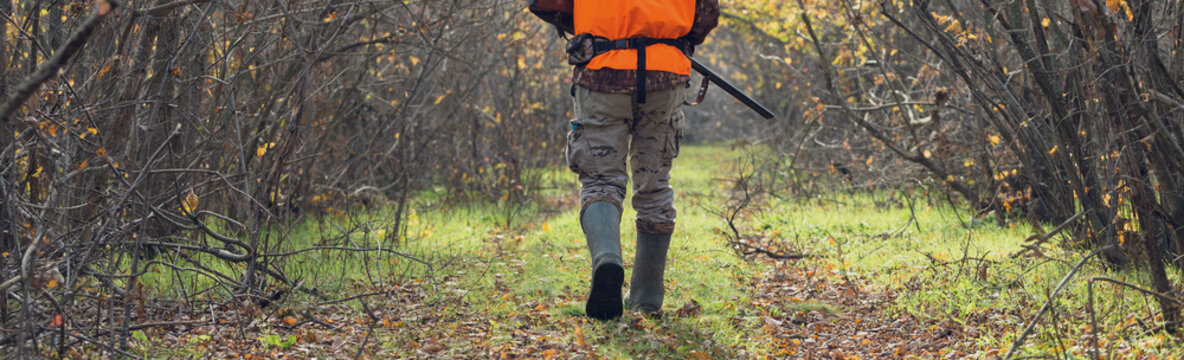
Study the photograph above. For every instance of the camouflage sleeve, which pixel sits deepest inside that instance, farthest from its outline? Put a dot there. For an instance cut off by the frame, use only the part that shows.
(706, 18)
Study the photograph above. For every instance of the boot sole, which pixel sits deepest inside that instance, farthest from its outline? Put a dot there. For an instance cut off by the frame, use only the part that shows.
(604, 301)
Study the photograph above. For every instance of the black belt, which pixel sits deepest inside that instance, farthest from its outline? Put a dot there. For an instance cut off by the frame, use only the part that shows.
(638, 43)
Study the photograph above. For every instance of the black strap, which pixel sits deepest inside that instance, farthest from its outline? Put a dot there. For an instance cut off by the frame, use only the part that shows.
(639, 44)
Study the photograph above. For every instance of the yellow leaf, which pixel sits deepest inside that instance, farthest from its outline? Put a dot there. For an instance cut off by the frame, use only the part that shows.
(994, 139)
(927, 154)
(1118, 6)
(1115, 5)
(941, 20)
(414, 61)
(262, 150)
(968, 162)
(954, 27)
(190, 202)
(580, 337)
(83, 164)
(291, 321)
(1044, 22)
(546, 227)
(51, 284)
(1053, 150)
(439, 99)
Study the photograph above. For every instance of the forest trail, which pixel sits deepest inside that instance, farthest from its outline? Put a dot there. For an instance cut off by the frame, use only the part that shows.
(383, 179)
(871, 290)
(519, 293)
(718, 306)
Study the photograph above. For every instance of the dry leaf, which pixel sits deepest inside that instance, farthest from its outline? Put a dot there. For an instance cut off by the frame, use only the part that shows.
(190, 202)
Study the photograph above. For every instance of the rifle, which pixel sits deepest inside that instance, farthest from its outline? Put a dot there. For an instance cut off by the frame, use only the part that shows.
(709, 75)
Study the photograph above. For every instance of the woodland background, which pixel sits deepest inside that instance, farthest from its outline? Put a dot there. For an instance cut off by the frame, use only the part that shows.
(193, 136)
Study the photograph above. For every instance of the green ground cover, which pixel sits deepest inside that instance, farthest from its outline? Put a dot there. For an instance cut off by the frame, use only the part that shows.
(517, 291)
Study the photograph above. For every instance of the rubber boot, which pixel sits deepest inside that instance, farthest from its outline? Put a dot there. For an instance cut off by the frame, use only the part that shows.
(647, 285)
(602, 222)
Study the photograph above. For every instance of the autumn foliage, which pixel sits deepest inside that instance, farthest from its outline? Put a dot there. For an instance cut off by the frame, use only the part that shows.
(184, 134)
(1048, 112)
(195, 135)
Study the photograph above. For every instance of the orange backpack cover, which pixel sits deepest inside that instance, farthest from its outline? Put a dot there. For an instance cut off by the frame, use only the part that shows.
(621, 19)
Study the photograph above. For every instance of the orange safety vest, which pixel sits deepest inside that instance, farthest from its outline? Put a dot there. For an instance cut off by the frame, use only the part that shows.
(622, 19)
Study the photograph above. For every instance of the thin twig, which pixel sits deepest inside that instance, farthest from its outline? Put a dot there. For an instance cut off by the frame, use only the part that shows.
(163, 8)
(1042, 238)
(47, 69)
(1047, 304)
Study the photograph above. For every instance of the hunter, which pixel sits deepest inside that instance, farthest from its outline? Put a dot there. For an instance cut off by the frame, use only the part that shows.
(632, 66)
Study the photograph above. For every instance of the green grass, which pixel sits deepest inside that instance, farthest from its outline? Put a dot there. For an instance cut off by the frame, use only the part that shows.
(958, 268)
(495, 288)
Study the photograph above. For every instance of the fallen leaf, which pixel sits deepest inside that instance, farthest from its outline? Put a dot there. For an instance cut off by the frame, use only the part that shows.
(432, 348)
(580, 337)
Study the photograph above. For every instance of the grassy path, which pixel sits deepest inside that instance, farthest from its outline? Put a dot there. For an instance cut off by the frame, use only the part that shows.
(881, 286)
(526, 298)
(530, 289)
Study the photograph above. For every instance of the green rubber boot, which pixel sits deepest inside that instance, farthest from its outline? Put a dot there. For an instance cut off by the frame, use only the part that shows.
(602, 226)
(647, 285)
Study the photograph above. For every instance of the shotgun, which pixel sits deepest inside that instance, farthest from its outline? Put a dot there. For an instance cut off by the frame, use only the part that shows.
(731, 90)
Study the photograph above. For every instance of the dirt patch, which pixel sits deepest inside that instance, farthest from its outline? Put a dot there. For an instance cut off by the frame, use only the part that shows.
(814, 311)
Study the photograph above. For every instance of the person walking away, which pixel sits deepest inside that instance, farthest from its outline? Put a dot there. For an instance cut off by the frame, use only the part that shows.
(632, 62)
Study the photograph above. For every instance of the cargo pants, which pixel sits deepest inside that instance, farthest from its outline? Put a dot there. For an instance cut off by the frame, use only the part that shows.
(607, 129)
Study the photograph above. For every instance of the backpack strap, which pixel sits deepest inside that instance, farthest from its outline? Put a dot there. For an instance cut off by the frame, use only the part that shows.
(602, 45)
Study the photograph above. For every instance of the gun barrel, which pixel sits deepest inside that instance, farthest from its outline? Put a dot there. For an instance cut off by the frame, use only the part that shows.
(736, 93)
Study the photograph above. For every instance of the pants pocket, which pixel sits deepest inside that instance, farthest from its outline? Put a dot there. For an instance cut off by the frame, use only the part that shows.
(575, 150)
(674, 137)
